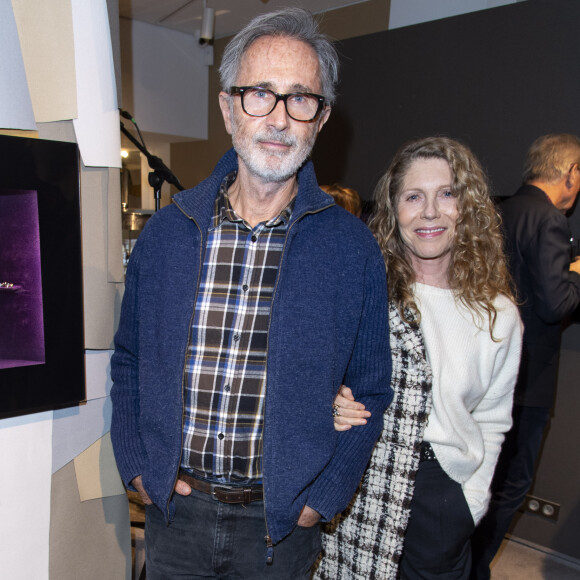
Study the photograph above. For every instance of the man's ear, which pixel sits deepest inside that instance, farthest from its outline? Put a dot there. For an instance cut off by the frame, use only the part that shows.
(570, 176)
(225, 106)
(323, 118)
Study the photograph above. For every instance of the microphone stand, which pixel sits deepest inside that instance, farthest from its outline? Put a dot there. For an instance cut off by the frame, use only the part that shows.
(160, 171)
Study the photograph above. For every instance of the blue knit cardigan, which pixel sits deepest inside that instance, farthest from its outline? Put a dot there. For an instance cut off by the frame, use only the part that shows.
(329, 325)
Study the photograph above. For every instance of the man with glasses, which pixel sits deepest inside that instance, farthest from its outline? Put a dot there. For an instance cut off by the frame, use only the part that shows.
(548, 288)
(248, 302)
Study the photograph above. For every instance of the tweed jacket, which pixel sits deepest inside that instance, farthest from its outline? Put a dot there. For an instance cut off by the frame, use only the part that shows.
(366, 541)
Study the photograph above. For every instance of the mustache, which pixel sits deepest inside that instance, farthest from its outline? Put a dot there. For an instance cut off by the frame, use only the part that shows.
(274, 136)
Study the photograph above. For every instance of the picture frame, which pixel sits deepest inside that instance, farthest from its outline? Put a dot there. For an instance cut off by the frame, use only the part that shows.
(42, 354)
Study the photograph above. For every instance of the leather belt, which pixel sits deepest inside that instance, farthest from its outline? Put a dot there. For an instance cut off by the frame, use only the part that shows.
(225, 493)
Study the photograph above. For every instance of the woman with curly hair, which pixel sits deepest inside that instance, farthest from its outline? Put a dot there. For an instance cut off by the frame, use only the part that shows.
(457, 334)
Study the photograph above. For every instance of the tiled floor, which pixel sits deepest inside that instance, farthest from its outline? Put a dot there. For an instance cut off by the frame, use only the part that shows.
(518, 560)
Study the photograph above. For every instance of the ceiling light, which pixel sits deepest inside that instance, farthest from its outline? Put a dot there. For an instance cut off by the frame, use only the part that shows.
(207, 25)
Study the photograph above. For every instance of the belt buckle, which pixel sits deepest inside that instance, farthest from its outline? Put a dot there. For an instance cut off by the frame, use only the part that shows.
(218, 487)
(244, 492)
(223, 491)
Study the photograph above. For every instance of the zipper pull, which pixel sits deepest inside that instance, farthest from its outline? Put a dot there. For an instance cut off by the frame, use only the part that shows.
(269, 550)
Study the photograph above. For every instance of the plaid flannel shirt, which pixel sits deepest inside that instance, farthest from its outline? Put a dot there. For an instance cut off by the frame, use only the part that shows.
(226, 356)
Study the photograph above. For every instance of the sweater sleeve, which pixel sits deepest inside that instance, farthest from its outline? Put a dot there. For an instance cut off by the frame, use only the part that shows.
(493, 413)
(124, 372)
(368, 375)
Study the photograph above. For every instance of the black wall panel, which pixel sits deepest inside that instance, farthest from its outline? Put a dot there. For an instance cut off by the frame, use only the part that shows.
(495, 79)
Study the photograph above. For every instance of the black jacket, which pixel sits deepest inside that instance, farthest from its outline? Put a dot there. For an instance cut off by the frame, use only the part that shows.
(538, 246)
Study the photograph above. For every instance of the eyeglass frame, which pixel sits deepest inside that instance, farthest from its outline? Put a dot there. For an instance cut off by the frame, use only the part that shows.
(279, 97)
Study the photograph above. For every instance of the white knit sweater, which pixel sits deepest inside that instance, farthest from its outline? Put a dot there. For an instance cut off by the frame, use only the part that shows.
(473, 383)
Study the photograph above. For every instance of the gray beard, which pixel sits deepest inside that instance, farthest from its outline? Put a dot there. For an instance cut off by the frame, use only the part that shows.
(254, 158)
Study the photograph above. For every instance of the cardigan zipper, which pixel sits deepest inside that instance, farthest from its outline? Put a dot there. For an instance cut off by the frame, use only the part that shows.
(268, 538)
(201, 250)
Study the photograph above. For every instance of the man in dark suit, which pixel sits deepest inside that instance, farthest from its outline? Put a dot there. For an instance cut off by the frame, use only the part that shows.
(548, 288)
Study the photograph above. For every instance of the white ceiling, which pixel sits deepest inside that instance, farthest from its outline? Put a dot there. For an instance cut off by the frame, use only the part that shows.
(231, 15)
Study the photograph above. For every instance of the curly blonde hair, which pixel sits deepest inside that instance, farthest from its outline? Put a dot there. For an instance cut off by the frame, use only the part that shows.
(478, 270)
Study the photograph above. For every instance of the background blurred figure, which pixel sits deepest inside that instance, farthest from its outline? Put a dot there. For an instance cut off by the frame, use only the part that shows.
(346, 197)
(447, 275)
(548, 286)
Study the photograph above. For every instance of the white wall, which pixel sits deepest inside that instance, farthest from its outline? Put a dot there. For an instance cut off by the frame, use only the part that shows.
(408, 12)
(165, 80)
(25, 486)
(63, 509)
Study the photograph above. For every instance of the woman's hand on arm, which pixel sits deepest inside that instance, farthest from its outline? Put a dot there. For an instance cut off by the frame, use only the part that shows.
(347, 411)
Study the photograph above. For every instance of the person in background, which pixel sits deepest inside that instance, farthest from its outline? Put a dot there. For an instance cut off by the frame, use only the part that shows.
(234, 316)
(346, 197)
(457, 333)
(548, 290)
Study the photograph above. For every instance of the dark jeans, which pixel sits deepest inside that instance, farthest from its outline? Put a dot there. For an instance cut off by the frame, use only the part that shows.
(437, 539)
(210, 539)
(512, 480)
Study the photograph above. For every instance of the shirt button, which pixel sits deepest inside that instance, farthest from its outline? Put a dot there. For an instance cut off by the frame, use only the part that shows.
(236, 337)
(254, 238)
(227, 388)
(221, 436)
(245, 287)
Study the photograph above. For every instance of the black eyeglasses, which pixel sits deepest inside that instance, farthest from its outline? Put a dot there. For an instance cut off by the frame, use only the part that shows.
(259, 102)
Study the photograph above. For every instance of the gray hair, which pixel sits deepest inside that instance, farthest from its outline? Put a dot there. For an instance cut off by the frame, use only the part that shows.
(550, 157)
(293, 23)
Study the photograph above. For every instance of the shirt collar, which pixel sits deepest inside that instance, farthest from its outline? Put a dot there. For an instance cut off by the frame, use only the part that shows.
(223, 209)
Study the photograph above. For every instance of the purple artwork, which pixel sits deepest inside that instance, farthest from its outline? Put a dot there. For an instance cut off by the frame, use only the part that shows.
(21, 313)
(42, 355)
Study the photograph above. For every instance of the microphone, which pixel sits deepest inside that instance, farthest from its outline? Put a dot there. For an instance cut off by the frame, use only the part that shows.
(127, 115)
(160, 171)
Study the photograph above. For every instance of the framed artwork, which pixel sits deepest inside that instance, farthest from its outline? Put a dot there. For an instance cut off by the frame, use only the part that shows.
(41, 293)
